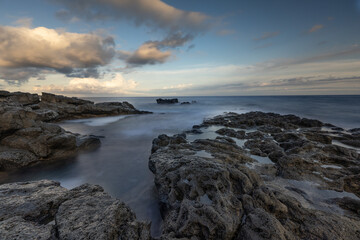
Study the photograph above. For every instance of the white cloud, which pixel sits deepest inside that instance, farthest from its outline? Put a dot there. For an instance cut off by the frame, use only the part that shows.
(36, 49)
(148, 53)
(118, 85)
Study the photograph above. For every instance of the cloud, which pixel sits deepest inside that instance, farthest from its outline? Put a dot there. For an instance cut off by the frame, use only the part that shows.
(26, 52)
(284, 63)
(146, 54)
(118, 85)
(153, 13)
(316, 28)
(24, 22)
(154, 52)
(267, 35)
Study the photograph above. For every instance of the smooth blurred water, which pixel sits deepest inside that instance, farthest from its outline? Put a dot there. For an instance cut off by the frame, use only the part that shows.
(120, 165)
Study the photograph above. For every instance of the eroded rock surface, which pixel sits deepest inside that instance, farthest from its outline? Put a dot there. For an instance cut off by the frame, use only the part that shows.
(261, 176)
(45, 210)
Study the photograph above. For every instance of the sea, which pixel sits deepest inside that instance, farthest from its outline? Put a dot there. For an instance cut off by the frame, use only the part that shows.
(120, 165)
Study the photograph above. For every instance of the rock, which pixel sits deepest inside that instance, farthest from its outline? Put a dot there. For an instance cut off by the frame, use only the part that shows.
(33, 201)
(231, 133)
(20, 229)
(56, 107)
(46, 115)
(26, 139)
(185, 103)
(92, 214)
(44, 141)
(11, 158)
(167, 101)
(13, 117)
(19, 97)
(226, 195)
(318, 137)
(349, 204)
(52, 98)
(45, 210)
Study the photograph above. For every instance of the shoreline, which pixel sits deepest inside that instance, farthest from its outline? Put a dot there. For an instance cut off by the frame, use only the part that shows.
(276, 153)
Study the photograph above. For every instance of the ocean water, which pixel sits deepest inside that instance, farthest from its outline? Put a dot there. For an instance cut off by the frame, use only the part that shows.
(120, 165)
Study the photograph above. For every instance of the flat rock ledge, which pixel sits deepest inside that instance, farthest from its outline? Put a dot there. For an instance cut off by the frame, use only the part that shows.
(44, 210)
(259, 176)
(27, 136)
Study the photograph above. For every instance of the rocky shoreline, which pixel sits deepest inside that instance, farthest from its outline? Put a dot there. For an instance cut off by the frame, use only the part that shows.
(235, 176)
(259, 176)
(28, 135)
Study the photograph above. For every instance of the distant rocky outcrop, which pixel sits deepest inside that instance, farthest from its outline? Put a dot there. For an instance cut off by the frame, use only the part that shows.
(26, 136)
(56, 107)
(45, 210)
(261, 176)
(167, 101)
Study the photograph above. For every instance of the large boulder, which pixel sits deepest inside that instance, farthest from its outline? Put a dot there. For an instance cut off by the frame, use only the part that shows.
(45, 210)
(14, 117)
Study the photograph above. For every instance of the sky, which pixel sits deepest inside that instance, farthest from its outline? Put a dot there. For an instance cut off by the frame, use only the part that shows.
(180, 47)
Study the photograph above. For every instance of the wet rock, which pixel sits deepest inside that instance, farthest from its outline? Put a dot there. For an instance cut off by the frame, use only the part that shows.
(45, 210)
(349, 204)
(240, 134)
(353, 143)
(90, 213)
(318, 137)
(229, 196)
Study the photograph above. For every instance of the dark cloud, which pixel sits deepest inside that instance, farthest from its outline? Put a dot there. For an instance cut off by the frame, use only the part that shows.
(27, 52)
(153, 13)
(267, 35)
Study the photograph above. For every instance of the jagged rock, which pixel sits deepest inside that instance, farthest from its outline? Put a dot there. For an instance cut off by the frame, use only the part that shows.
(223, 195)
(20, 229)
(52, 98)
(62, 107)
(45, 210)
(92, 214)
(19, 97)
(14, 117)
